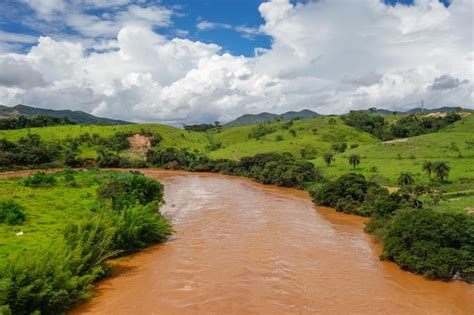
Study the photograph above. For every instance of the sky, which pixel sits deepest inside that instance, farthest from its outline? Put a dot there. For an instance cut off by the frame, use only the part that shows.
(177, 61)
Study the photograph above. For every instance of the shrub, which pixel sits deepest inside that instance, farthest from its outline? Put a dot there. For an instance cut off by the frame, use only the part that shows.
(129, 189)
(345, 194)
(52, 278)
(11, 212)
(140, 226)
(39, 179)
(435, 244)
(259, 131)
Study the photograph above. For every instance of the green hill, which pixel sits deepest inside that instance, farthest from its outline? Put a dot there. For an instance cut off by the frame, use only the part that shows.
(315, 136)
(251, 119)
(172, 137)
(454, 144)
(78, 117)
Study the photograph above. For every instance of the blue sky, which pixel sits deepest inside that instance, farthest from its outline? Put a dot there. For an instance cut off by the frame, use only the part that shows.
(229, 18)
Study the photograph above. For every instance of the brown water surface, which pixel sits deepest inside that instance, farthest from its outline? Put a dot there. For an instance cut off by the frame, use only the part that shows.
(245, 248)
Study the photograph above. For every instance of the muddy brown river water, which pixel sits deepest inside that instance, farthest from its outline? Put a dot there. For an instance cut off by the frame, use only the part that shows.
(245, 248)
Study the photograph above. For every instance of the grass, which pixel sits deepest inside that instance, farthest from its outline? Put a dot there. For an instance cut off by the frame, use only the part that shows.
(313, 134)
(454, 144)
(172, 137)
(48, 210)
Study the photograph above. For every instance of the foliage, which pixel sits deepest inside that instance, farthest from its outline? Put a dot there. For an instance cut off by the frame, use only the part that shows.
(436, 244)
(328, 158)
(38, 121)
(202, 127)
(408, 126)
(339, 147)
(126, 190)
(354, 160)
(62, 271)
(441, 169)
(140, 226)
(344, 194)
(406, 179)
(11, 212)
(40, 179)
(260, 131)
(52, 278)
(29, 150)
(373, 124)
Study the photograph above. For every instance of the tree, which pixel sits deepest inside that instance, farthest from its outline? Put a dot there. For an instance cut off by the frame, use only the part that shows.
(354, 160)
(428, 168)
(406, 179)
(328, 158)
(441, 169)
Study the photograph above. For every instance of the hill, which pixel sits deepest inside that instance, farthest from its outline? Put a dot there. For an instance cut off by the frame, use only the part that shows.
(78, 117)
(251, 119)
(172, 137)
(386, 160)
(303, 138)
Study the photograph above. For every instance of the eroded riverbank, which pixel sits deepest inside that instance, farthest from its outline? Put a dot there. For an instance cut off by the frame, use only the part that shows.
(246, 248)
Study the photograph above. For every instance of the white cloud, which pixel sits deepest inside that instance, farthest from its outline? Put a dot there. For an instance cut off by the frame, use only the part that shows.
(17, 38)
(206, 25)
(329, 56)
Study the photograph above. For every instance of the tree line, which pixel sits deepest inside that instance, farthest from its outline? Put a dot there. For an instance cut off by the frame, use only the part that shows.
(407, 126)
(21, 122)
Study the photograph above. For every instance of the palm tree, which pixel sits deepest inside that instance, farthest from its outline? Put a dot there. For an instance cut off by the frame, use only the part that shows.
(354, 160)
(328, 158)
(406, 179)
(428, 168)
(441, 170)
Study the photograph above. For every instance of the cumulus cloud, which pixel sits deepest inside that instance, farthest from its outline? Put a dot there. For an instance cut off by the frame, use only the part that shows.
(15, 73)
(329, 56)
(446, 82)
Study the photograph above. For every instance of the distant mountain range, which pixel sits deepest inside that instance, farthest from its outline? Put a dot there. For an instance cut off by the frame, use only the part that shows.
(251, 119)
(78, 117)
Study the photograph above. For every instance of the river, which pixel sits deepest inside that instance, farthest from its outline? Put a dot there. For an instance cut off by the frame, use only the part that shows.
(245, 248)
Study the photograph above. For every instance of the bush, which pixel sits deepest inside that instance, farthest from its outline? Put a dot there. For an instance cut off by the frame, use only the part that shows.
(436, 244)
(11, 212)
(40, 179)
(259, 131)
(51, 279)
(139, 227)
(345, 194)
(129, 189)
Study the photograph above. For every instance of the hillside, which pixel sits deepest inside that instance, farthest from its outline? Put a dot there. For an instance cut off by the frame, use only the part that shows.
(454, 144)
(251, 119)
(315, 136)
(172, 137)
(78, 117)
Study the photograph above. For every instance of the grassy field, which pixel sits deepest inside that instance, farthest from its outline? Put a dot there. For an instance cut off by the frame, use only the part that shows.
(454, 144)
(48, 210)
(172, 137)
(315, 134)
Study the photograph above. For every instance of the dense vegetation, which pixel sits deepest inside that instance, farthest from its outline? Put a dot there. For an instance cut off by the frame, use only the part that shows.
(437, 244)
(268, 168)
(38, 121)
(60, 271)
(202, 127)
(408, 126)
